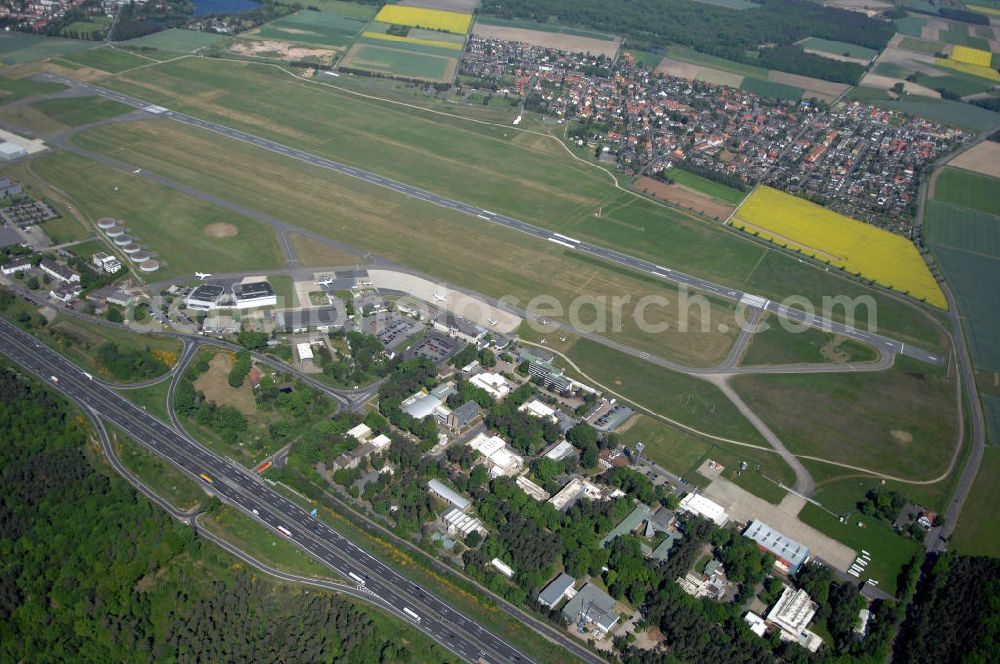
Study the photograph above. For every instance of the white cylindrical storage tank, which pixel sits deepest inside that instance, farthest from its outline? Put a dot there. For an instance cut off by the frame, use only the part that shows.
(114, 231)
(140, 256)
(122, 240)
(150, 266)
(106, 223)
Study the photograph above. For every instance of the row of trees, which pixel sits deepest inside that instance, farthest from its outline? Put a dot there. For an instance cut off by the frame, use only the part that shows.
(742, 36)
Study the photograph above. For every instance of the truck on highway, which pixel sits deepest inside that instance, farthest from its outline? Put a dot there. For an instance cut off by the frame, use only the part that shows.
(284, 531)
(357, 578)
(54, 379)
(411, 613)
(206, 478)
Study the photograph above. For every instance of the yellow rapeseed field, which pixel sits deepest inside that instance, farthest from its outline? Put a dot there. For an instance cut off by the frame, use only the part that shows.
(983, 10)
(972, 56)
(966, 68)
(412, 40)
(885, 258)
(434, 19)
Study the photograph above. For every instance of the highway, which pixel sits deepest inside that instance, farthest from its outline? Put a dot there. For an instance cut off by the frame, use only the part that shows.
(239, 487)
(882, 343)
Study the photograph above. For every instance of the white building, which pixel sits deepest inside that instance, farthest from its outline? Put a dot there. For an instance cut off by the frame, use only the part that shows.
(449, 495)
(538, 409)
(756, 623)
(562, 450)
(575, 489)
(792, 615)
(381, 442)
(305, 351)
(500, 459)
(360, 433)
(15, 266)
(494, 384)
(502, 567)
(695, 503)
(106, 262)
(254, 294)
(461, 524)
(205, 297)
(59, 272)
(532, 489)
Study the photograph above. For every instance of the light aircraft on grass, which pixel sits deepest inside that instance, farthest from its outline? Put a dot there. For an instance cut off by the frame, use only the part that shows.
(202, 275)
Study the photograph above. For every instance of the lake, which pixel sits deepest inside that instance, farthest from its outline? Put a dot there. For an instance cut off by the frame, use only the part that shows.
(204, 7)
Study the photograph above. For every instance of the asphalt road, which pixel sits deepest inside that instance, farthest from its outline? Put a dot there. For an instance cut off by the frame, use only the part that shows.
(884, 344)
(239, 487)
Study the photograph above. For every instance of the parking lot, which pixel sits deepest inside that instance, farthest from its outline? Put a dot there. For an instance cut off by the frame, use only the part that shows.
(391, 328)
(434, 347)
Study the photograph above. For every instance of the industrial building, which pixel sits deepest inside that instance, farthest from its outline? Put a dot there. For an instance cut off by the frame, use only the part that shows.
(420, 405)
(695, 503)
(254, 294)
(455, 499)
(11, 151)
(789, 554)
(500, 458)
(321, 319)
(462, 417)
(560, 450)
(593, 608)
(552, 594)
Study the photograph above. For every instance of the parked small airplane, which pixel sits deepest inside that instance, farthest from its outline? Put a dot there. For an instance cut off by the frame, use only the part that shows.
(440, 298)
(325, 280)
(137, 171)
(542, 341)
(202, 275)
(492, 322)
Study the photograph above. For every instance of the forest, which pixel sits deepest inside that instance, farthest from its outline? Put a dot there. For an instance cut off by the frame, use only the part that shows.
(90, 571)
(955, 614)
(743, 36)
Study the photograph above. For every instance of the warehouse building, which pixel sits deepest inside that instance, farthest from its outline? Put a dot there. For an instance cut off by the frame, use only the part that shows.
(450, 496)
(254, 294)
(592, 608)
(500, 459)
(205, 297)
(552, 594)
(789, 555)
(695, 503)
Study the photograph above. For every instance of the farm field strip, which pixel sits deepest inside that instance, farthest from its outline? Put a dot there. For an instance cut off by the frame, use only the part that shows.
(417, 17)
(888, 259)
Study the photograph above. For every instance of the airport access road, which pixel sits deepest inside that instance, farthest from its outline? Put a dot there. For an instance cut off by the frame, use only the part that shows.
(461, 635)
(882, 343)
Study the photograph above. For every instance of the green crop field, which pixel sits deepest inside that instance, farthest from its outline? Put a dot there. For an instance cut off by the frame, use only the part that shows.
(403, 62)
(17, 47)
(991, 408)
(910, 25)
(954, 113)
(543, 27)
(892, 69)
(901, 422)
(973, 278)
(707, 187)
(480, 163)
(178, 40)
(309, 27)
(963, 39)
(166, 222)
(838, 48)
(771, 89)
(978, 529)
(867, 94)
(921, 45)
(776, 345)
(961, 228)
(76, 111)
(412, 47)
(12, 89)
(968, 189)
(955, 83)
(107, 59)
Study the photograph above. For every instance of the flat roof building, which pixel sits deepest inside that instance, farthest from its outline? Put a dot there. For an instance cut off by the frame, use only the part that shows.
(361, 432)
(553, 593)
(422, 406)
(594, 607)
(560, 451)
(755, 623)
(532, 489)
(494, 384)
(254, 294)
(463, 416)
(305, 351)
(695, 503)
(500, 458)
(538, 409)
(575, 489)
(503, 568)
(792, 615)
(789, 554)
(461, 524)
(205, 296)
(438, 488)
(320, 319)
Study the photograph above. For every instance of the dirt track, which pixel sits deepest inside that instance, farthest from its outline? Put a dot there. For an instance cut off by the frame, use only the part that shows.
(684, 197)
